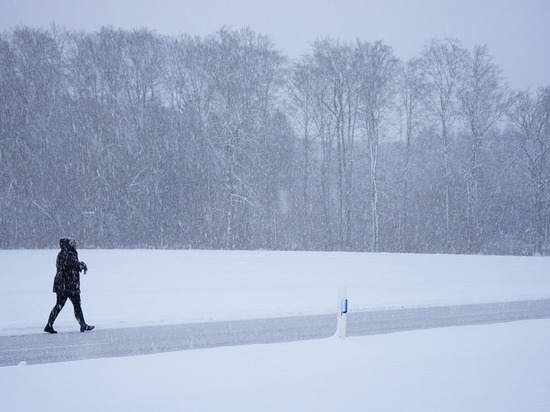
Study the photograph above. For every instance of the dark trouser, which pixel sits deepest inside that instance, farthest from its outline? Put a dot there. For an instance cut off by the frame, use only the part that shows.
(61, 300)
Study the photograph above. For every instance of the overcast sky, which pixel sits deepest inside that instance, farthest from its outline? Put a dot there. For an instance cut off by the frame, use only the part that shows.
(516, 31)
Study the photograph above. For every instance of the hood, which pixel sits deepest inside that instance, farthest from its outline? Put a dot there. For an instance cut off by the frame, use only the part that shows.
(67, 243)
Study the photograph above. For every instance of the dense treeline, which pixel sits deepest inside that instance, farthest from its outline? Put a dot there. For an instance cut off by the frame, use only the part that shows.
(132, 139)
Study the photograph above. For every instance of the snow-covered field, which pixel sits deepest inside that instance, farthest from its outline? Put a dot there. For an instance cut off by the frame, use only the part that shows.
(144, 287)
(503, 367)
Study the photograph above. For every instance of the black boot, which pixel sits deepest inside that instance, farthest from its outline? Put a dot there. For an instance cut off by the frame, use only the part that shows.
(49, 329)
(84, 327)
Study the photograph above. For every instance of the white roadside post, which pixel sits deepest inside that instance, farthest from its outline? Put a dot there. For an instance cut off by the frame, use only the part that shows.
(342, 312)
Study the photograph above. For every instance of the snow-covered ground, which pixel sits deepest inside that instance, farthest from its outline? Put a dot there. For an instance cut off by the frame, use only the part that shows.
(144, 287)
(504, 367)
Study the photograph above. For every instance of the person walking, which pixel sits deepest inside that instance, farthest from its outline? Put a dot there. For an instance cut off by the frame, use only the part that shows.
(67, 284)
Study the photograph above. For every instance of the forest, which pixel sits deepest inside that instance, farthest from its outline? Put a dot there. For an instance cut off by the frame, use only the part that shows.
(132, 139)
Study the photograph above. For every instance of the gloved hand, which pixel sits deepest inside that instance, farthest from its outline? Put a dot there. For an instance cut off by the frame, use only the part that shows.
(83, 267)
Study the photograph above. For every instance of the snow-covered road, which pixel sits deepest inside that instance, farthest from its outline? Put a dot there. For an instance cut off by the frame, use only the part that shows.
(108, 343)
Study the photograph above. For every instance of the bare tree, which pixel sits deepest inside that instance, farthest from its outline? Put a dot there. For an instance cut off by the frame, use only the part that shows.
(411, 88)
(376, 68)
(531, 118)
(334, 64)
(190, 93)
(484, 100)
(34, 64)
(301, 88)
(245, 70)
(443, 64)
(98, 124)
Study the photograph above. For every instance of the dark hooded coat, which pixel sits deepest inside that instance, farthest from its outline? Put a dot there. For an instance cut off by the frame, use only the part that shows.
(67, 277)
